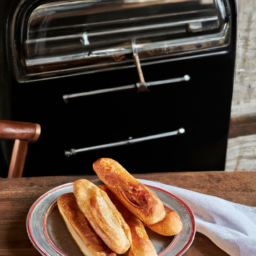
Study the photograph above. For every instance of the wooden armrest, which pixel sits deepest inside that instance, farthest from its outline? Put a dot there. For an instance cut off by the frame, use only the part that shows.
(12, 130)
(22, 133)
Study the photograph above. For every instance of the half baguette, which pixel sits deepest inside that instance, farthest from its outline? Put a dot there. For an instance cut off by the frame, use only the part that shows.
(103, 216)
(136, 197)
(141, 244)
(170, 225)
(85, 237)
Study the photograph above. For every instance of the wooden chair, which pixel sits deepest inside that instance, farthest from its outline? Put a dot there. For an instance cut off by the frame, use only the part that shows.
(22, 133)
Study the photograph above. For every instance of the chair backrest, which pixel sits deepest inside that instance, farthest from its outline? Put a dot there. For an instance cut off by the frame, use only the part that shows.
(22, 134)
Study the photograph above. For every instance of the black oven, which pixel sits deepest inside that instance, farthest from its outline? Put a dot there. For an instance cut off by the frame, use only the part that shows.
(147, 83)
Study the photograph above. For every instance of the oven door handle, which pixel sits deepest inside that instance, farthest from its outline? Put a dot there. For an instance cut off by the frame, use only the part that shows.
(125, 142)
(140, 87)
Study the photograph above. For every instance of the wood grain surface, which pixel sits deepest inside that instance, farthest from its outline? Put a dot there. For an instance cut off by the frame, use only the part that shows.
(17, 196)
(242, 126)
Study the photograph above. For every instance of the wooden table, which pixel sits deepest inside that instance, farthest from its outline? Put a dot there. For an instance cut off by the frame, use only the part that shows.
(17, 195)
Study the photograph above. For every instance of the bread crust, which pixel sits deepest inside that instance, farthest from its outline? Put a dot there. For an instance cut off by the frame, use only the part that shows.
(118, 204)
(136, 197)
(170, 225)
(85, 237)
(103, 216)
(141, 244)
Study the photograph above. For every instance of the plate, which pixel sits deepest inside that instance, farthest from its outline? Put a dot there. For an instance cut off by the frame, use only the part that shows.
(49, 235)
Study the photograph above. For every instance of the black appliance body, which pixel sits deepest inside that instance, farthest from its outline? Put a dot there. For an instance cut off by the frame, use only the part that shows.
(52, 50)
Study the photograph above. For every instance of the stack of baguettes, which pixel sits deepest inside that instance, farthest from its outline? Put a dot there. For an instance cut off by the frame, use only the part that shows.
(110, 218)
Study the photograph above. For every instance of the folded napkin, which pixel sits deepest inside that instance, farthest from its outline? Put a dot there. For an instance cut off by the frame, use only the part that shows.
(230, 226)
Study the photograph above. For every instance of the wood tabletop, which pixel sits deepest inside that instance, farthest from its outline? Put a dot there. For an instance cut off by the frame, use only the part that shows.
(17, 195)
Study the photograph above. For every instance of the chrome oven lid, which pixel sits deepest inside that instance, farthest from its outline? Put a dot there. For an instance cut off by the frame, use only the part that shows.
(77, 37)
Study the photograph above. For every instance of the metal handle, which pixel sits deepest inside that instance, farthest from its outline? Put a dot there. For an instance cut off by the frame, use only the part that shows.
(125, 142)
(142, 86)
(121, 88)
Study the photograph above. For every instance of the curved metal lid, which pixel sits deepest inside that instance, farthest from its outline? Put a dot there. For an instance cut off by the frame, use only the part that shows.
(64, 38)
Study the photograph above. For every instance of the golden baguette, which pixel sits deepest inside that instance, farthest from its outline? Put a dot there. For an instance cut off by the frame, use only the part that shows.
(136, 197)
(103, 216)
(141, 245)
(119, 206)
(170, 225)
(85, 237)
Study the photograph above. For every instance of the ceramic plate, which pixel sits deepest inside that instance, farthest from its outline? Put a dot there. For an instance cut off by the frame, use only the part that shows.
(49, 235)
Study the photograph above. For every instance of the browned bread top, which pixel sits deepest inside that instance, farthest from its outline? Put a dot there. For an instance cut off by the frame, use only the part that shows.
(91, 242)
(107, 222)
(142, 202)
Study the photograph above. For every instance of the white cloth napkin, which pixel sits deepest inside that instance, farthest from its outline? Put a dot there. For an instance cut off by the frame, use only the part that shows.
(230, 226)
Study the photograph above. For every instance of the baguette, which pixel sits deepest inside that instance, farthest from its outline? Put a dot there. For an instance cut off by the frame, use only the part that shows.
(136, 197)
(119, 206)
(103, 216)
(85, 237)
(170, 225)
(141, 245)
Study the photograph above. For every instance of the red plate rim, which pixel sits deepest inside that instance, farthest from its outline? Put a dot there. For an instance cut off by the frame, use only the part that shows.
(70, 184)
